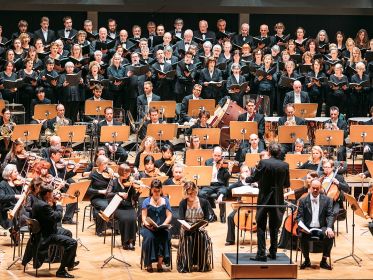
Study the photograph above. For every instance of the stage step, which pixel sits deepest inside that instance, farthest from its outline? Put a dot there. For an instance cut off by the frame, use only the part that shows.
(272, 269)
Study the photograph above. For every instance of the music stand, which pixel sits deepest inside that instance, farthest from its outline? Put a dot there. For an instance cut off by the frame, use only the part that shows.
(288, 134)
(96, 108)
(210, 136)
(174, 193)
(251, 160)
(295, 184)
(45, 111)
(200, 175)
(106, 215)
(162, 131)
(167, 109)
(2, 105)
(361, 134)
(26, 132)
(242, 130)
(147, 182)
(156, 156)
(72, 133)
(355, 208)
(326, 137)
(75, 194)
(196, 106)
(197, 157)
(296, 160)
(298, 173)
(305, 110)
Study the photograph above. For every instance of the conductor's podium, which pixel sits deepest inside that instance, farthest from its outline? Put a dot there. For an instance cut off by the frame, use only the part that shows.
(272, 269)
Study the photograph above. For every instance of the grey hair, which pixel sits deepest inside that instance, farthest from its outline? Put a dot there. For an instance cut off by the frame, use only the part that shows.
(8, 170)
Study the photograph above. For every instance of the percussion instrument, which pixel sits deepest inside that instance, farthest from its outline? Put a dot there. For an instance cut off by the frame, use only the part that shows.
(356, 121)
(271, 128)
(222, 117)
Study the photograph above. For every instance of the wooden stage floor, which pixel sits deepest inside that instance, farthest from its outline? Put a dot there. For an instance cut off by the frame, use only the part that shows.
(91, 261)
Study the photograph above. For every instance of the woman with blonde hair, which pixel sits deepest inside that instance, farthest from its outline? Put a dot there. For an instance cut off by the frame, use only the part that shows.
(315, 160)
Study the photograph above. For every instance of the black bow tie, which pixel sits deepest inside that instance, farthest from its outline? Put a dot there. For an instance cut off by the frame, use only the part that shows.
(67, 30)
(161, 63)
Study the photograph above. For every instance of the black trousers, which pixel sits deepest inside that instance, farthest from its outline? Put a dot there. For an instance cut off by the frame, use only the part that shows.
(231, 233)
(99, 204)
(275, 218)
(70, 211)
(304, 242)
(63, 238)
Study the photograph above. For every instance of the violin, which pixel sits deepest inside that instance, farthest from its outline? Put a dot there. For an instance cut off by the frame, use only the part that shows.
(66, 152)
(170, 161)
(20, 181)
(108, 173)
(154, 173)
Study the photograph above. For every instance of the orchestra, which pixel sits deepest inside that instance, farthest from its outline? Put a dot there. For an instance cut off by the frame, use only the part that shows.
(261, 79)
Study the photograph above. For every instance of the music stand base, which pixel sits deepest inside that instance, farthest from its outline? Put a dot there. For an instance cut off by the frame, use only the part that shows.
(14, 262)
(357, 259)
(112, 257)
(79, 241)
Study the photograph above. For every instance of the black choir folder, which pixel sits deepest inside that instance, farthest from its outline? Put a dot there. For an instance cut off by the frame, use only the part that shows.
(194, 226)
(155, 225)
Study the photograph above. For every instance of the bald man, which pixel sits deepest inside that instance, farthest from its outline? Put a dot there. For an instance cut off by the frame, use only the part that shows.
(296, 95)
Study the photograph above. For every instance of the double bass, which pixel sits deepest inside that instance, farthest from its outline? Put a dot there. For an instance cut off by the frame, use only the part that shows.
(332, 190)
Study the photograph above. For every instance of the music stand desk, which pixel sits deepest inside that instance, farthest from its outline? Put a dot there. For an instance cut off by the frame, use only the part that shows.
(72, 133)
(288, 134)
(195, 106)
(167, 109)
(29, 132)
(162, 131)
(242, 130)
(305, 110)
(201, 175)
(197, 157)
(208, 136)
(96, 108)
(114, 133)
(361, 133)
(325, 137)
(296, 160)
(45, 111)
(251, 160)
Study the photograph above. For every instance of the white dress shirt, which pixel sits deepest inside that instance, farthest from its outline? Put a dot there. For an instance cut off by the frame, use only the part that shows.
(315, 205)
(297, 98)
(215, 170)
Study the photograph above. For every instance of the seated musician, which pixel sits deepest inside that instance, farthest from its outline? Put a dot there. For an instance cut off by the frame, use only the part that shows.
(101, 151)
(58, 120)
(148, 146)
(196, 93)
(203, 117)
(6, 130)
(156, 243)
(98, 189)
(153, 118)
(328, 180)
(9, 195)
(296, 95)
(54, 141)
(17, 156)
(40, 99)
(315, 211)
(255, 148)
(193, 142)
(114, 150)
(219, 182)
(244, 173)
(289, 120)
(193, 209)
(337, 123)
(125, 213)
(299, 147)
(177, 175)
(33, 194)
(315, 161)
(165, 163)
(144, 100)
(253, 115)
(149, 169)
(97, 92)
(60, 170)
(48, 212)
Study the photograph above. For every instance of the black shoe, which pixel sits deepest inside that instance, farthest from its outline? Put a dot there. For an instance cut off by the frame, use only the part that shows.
(305, 264)
(259, 259)
(229, 243)
(63, 274)
(76, 263)
(272, 256)
(325, 265)
(68, 222)
(131, 247)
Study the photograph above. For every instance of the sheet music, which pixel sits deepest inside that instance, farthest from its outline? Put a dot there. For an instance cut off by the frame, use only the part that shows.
(113, 205)
(245, 190)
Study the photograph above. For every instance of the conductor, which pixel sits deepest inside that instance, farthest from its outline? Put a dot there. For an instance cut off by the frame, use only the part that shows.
(272, 176)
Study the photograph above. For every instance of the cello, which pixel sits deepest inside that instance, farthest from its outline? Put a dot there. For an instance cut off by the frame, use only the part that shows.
(367, 204)
(332, 190)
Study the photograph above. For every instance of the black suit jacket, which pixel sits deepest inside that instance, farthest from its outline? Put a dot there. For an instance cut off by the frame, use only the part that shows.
(47, 216)
(325, 211)
(342, 125)
(50, 38)
(210, 91)
(50, 123)
(259, 118)
(209, 34)
(142, 101)
(61, 33)
(239, 40)
(272, 176)
(60, 172)
(7, 202)
(298, 121)
(289, 98)
(223, 173)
